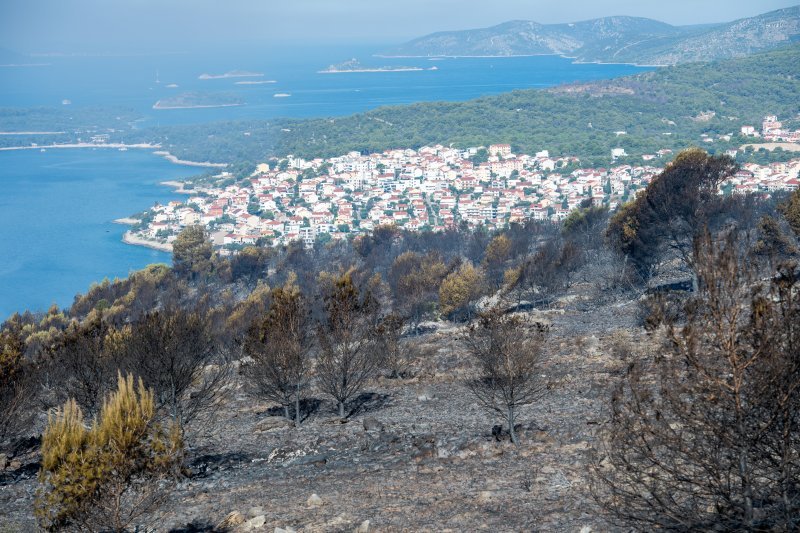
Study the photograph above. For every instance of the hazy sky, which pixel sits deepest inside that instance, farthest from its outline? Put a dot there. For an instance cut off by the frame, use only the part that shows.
(148, 25)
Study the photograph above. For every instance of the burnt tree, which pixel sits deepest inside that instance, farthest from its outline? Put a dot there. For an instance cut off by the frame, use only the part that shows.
(706, 436)
(509, 355)
(279, 345)
(348, 357)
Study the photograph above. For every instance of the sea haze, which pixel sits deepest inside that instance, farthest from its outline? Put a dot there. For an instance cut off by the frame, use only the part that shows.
(56, 207)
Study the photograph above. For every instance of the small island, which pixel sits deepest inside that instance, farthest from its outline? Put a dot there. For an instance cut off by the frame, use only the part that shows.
(194, 100)
(231, 74)
(354, 65)
(255, 82)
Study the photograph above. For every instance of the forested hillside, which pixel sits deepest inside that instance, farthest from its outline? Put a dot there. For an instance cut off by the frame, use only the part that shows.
(668, 108)
(660, 109)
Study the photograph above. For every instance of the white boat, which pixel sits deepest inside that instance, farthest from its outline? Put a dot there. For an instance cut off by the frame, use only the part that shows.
(281, 95)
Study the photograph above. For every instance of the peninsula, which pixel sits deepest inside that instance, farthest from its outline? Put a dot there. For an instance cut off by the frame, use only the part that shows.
(230, 74)
(121, 147)
(197, 101)
(255, 82)
(354, 65)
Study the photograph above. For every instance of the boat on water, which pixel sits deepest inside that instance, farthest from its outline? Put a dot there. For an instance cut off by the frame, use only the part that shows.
(281, 95)
(123, 149)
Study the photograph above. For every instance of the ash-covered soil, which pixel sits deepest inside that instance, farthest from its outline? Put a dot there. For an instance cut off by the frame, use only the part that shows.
(417, 454)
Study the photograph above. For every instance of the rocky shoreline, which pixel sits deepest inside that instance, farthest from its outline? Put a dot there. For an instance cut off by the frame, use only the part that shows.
(174, 159)
(177, 186)
(127, 221)
(82, 145)
(131, 238)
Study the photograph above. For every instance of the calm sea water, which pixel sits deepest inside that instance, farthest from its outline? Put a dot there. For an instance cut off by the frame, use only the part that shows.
(56, 207)
(138, 82)
(56, 213)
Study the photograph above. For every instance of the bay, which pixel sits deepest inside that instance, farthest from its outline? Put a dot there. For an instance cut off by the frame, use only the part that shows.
(57, 208)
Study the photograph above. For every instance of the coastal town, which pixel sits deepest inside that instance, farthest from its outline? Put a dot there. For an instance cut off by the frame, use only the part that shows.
(432, 188)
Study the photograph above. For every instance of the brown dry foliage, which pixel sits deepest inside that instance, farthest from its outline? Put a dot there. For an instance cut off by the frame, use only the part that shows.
(706, 436)
(280, 345)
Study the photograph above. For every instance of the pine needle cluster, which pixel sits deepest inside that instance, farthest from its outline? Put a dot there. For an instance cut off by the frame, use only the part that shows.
(106, 476)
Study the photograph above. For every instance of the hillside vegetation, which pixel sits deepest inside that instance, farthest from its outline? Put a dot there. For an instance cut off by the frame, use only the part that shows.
(656, 109)
(535, 377)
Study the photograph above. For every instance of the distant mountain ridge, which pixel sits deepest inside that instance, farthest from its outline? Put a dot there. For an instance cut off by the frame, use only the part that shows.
(615, 39)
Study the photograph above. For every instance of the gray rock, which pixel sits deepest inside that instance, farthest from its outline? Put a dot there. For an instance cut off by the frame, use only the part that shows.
(271, 423)
(255, 511)
(485, 496)
(372, 424)
(363, 527)
(254, 523)
(233, 519)
(316, 460)
(314, 501)
(426, 395)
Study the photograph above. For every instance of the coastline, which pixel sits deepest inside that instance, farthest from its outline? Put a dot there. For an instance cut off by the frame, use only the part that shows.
(462, 56)
(174, 159)
(259, 82)
(409, 69)
(160, 107)
(229, 75)
(82, 145)
(130, 238)
(126, 221)
(177, 186)
(145, 146)
(574, 58)
(32, 132)
(576, 62)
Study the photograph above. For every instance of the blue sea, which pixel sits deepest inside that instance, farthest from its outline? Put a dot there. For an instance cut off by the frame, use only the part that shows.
(56, 213)
(56, 207)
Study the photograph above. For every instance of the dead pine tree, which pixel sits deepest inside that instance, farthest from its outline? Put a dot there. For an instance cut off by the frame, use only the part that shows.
(17, 389)
(509, 355)
(280, 345)
(396, 356)
(705, 436)
(174, 352)
(348, 357)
